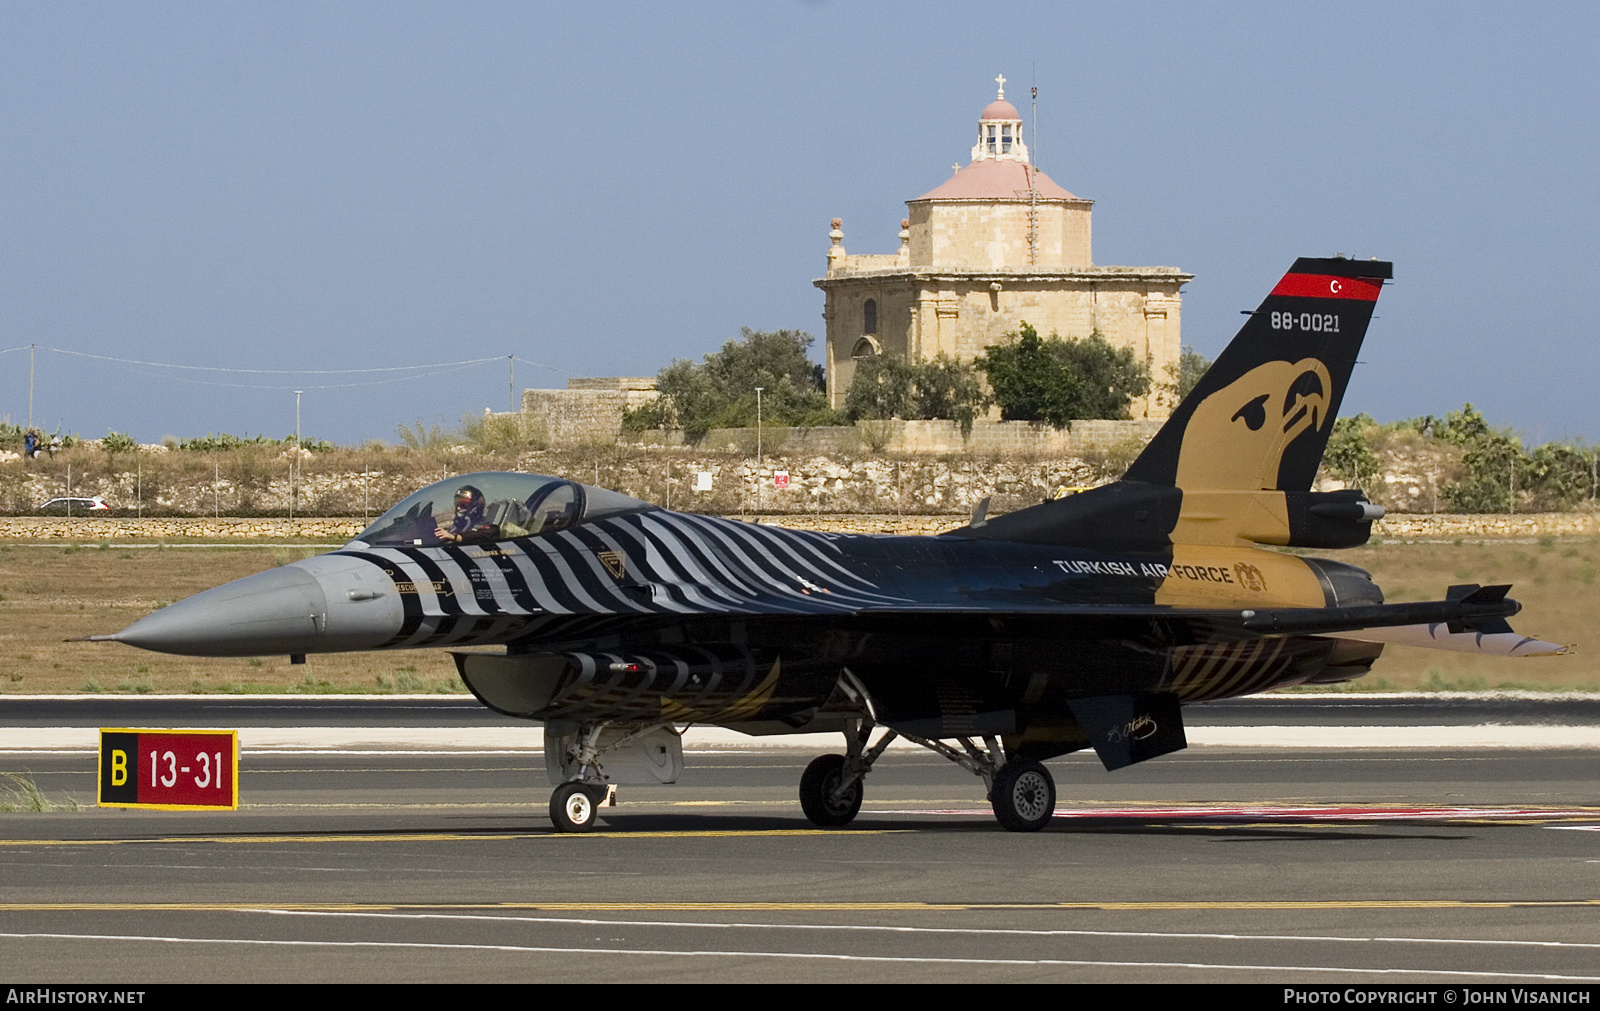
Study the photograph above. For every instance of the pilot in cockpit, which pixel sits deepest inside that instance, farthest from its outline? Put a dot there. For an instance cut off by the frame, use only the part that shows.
(471, 525)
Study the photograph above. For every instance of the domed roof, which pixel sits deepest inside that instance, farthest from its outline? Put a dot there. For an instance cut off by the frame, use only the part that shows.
(999, 109)
(996, 179)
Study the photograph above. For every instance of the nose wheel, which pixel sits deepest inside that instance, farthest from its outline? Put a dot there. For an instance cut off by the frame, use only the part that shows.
(575, 807)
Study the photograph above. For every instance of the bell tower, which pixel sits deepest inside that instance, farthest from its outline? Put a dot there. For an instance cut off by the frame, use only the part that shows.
(1000, 130)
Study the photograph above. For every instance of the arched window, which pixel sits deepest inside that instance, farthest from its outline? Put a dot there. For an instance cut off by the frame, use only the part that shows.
(869, 316)
(866, 347)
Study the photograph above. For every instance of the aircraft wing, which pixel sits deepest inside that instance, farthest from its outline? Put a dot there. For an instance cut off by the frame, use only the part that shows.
(1472, 618)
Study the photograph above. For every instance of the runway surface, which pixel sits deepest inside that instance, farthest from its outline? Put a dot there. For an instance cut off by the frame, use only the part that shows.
(1351, 865)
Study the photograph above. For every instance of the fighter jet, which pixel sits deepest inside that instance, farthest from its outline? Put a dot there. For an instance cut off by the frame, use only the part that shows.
(1088, 621)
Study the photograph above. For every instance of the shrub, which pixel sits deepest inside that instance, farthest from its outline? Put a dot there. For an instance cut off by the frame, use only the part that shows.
(1058, 382)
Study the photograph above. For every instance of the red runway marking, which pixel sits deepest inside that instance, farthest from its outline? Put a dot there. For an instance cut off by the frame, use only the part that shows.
(1269, 812)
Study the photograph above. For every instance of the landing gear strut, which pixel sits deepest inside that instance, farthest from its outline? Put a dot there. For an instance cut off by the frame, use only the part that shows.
(831, 787)
(1021, 791)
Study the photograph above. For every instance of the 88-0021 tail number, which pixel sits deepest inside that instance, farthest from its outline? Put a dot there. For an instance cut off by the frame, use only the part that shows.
(1316, 322)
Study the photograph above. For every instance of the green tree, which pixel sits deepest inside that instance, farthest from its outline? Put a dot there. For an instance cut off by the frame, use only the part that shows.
(1349, 456)
(949, 389)
(1184, 374)
(1029, 381)
(883, 387)
(1059, 381)
(887, 386)
(1497, 468)
(1109, 378)
(1560, 476)
(721, 391)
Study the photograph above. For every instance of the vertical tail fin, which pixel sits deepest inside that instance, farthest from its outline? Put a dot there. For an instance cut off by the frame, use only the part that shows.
(1235, 462)
(1261, 416)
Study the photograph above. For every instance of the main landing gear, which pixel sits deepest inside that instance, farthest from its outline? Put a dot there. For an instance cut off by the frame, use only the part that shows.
(1021, 791)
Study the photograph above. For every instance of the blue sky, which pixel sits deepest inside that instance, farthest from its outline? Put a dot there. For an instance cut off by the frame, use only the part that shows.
(344, 186)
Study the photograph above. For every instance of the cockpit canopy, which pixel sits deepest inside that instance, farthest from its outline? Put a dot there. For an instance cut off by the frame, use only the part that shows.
(492, 506)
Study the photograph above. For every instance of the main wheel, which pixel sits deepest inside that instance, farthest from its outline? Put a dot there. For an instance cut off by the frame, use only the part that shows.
(819, 793)
(1024, 796)
(574, 807)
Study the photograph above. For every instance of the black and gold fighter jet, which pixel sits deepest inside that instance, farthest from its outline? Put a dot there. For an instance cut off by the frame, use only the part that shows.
(1085, 622)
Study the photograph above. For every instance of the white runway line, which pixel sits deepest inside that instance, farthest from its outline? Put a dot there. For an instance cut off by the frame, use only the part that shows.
(797, 955)
(891, 929)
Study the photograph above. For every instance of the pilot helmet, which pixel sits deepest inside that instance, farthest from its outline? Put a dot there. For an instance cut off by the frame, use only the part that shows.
(468, 499)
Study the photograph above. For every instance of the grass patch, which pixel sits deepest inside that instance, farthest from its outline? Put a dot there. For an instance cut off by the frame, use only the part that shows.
(405, 680)
(1437, 682)
(310, 685)
(23, 794)
(283, 556)
(1359, 685)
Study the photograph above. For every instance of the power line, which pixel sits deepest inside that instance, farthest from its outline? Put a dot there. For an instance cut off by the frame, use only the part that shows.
(541, 365)
(331, 386)
(295, 372)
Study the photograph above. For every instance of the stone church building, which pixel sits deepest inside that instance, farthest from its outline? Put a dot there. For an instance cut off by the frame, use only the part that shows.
(998, 244)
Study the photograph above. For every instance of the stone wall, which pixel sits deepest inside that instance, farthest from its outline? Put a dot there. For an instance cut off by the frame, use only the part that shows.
(30, 528)
(1446, 526)
(587, 411)
(84, 529)
(1004, 438)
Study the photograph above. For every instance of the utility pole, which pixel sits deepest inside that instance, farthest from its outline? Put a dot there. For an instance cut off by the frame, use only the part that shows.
(511, 383)
(1511, 480)
(294, 469)
(758, 449)
(30, 384)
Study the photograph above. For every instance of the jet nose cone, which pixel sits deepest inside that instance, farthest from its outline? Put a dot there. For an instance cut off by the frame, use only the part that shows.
(281, 611)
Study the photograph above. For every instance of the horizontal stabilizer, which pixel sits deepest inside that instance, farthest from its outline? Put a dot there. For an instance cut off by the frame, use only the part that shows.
(1438, 636)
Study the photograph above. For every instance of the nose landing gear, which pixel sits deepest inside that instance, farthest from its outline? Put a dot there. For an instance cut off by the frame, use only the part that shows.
(575, 807)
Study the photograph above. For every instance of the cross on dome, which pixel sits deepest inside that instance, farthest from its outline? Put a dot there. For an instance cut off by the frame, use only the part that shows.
(1000, 79)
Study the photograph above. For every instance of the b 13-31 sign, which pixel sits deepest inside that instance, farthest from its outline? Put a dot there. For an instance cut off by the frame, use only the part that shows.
(170, 770)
